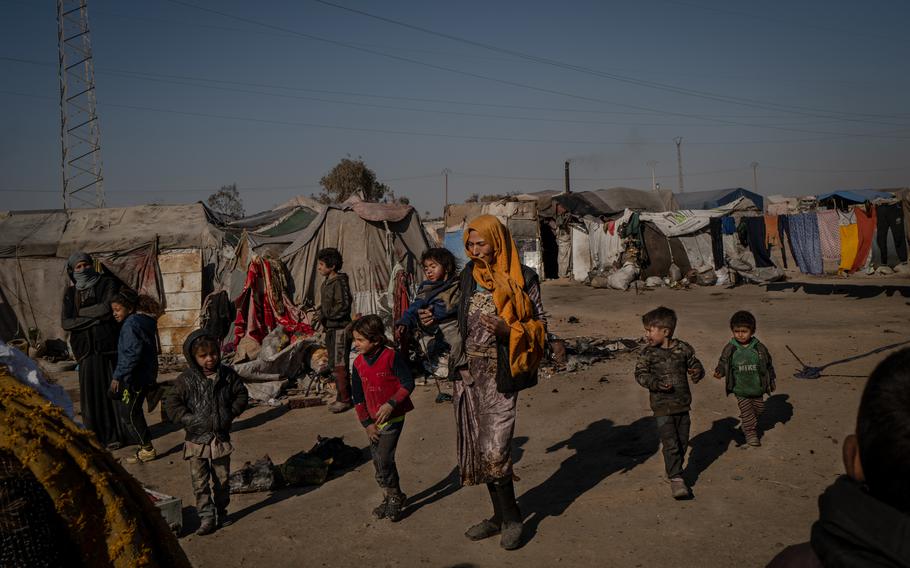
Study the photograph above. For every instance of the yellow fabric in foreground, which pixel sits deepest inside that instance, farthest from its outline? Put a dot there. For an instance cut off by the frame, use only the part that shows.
(504, 279)
(109, 517)
(849, 244)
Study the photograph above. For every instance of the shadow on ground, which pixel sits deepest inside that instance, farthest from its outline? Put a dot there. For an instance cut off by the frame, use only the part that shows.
(601, 449)
(857, 291)
(708, 446)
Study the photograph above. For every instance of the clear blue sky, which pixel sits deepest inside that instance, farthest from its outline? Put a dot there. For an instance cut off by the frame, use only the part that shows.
(817, 92)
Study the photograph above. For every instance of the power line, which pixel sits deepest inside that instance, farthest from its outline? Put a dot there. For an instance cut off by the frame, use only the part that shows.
(495, 79)
(194, 80)
(795, 109)
(428, 134)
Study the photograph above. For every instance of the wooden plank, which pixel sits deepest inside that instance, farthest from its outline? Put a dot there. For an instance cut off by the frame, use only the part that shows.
(178, 318)
(183, 300)
(182, 282)
(171, 262)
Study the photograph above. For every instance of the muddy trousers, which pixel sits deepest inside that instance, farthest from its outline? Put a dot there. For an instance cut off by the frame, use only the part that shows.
(383, 453)
(750, 408)
(211, 472)
(674, 439)
(338, 344)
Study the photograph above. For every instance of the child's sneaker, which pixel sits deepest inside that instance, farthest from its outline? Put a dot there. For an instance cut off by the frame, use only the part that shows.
(142, 456)
(678, 488)
(382, 510)
(395, 507)
(223, 520)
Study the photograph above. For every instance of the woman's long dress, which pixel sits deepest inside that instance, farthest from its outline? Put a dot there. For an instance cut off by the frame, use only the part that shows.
(93, 337)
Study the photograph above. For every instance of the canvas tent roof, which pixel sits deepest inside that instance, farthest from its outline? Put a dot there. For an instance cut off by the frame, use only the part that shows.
(602, 202)
(857, 195)
(372, 238)
(60, 233)
(717, 197)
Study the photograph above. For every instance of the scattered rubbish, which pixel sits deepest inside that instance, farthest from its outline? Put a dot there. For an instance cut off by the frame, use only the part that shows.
(573, 319)
(340, 455)
(570, 355)
(303, 469)
(808, 372)
(253, 477)
(443, 397)
(305, 402)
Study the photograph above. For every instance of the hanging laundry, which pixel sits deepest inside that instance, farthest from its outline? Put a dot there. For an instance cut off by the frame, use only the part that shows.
(611, 227)
(717, 243)
(755, 231)
(805, 242)
(729, 225)
(849, 242)
(771, 232)
(829, 234)
(865, 226)
(783, 227)
(890, 218)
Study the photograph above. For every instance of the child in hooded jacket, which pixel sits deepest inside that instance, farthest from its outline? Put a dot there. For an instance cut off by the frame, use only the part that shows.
(205, 400)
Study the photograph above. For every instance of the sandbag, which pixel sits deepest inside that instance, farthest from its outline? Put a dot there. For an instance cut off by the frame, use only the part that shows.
(623, 278)
(654, 282)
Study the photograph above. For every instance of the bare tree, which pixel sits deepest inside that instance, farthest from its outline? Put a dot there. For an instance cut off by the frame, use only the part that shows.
(349, 177)
(227, 200)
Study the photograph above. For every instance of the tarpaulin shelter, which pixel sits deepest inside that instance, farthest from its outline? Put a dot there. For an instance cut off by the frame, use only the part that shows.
(373, 238)
(717, 197)
(172, 252)
(518, 214)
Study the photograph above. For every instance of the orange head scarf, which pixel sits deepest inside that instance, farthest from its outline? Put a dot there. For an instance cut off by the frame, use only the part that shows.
(503, 277)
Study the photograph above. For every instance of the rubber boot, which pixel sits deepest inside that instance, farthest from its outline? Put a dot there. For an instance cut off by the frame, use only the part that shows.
(343, 391)
(512, 526)
(488, 527)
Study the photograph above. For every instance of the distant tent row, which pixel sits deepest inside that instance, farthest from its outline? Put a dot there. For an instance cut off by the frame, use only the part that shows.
(184, 254)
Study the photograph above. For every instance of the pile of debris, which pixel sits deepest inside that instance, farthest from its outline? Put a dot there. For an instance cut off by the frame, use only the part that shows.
(570, 355)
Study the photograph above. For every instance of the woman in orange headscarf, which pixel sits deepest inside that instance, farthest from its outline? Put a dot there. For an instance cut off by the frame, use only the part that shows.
(503, 332)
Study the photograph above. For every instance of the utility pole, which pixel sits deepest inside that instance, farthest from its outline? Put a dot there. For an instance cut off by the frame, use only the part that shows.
(754, 176)
(445, 174)
(678, 141)
(80, 134)
(652, 164)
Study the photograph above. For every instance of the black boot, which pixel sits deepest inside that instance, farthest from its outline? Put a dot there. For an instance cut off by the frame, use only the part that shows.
(511, 516)
(488, 527)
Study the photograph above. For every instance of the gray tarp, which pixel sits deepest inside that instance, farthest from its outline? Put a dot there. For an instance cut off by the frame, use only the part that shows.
(602, 202)
(370, 250)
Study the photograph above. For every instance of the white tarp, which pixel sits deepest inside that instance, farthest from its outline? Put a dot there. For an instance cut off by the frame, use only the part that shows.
(688, 221)
(605, 248)
(581, 254)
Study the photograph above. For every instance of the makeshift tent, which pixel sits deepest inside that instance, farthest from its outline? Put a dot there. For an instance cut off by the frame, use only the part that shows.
(603, 202)
(718, 197)
(173, 252)
(373, 238)
(519, 215)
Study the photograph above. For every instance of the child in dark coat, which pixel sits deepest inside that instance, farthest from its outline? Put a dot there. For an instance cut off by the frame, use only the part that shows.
(136, 373)
(746, 364)
(335, 306)
(205, 400)
(382, 385)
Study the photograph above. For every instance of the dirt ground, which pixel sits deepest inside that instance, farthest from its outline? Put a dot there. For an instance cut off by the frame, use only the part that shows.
(592, 485)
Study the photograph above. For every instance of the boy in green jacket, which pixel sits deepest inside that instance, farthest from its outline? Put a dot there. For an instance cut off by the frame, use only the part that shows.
(746, 364)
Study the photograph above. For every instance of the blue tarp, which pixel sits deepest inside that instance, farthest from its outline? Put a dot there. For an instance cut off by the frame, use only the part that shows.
(716, 198)
(455, 243)
(857, 195)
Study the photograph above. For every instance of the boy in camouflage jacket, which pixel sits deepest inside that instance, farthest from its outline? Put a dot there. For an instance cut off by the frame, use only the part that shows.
(665, 367)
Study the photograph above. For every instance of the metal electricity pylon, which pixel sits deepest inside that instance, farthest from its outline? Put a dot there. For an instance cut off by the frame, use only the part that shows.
(80, 134)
